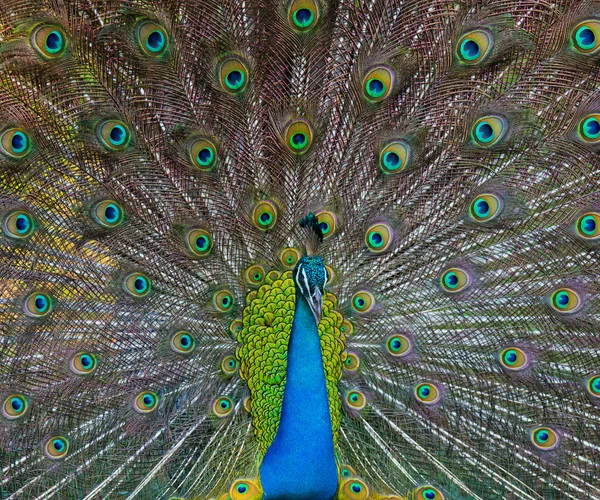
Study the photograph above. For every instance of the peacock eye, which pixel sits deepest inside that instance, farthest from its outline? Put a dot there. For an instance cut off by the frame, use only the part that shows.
(329, 275)
(145, 402)
(137, 284)
(514, 359)
(37, 305)
(114, 134)
(398, 345)
(255, 275)
(222, 407)
(589, 128)
(488, 130)
(299, 136)
(454, 280)
(49, 41)
(289, 257)
(236, 327)
(15, 142)
(565, 300)
(474, 47)
(588, 225)
(183, 342)
(108, 213)
(303, 15)
(427, 393)
(244, 489)
(229, 365)
(363, 301)
(347, 471)
(586, 37)
(233, 75)
(152, 38)
(199, 242)
(18, 225)
(14, 406)
(347, 329)
(378, 237)
(223, 301)
(56, 447)
(83, 363)
(428, 493)
(394, 157)
(327, 222)
(378, 83)
(544, 438)
(352, 362)
(203, 154)
(354, 489)
(593, 386)
(264, 215)
(485, 207)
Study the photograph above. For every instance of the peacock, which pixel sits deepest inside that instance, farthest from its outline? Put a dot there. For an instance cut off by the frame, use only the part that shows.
(300, 249)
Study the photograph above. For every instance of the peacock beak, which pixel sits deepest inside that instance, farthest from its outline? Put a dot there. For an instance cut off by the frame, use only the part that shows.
(315, 302)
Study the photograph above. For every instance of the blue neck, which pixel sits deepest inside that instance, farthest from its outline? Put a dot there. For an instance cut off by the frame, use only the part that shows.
(300, 463)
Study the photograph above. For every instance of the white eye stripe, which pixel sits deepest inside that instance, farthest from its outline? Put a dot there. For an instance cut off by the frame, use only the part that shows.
(305, 278)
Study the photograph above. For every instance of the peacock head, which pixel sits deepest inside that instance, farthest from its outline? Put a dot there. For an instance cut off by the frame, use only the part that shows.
(310, 277)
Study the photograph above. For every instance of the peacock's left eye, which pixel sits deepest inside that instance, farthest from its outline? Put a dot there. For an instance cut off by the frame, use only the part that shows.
(299, 136)
(145, 402)
(589, 128)
(399, 345)
(37, 305)
(588, 226)
(565, 300)
(244, 489)
(473, 47)
(354, 489)
(427, 393)
(264, 215)
(137, 284)
(593, 386)
(303, 14)
(454, 280)
(56, 447)
(108, 213)
(203, 154)
(255, 275)
(514, 359)
(114, 134)
(18, 225)
(586, 37)
(223, 301)
(394, 157)
(233, 74)
(152, 38)
(352, 362)
(83, 363)
(327, 222)
(222, 406)
(14, 406)
(199, 242)
(428, 493)
(363, 301)
(15, 142)
(378, 83)
(488, 130)
(49, 41)
(378, 237)
(544, 438)
(485, 207)
(183, 342)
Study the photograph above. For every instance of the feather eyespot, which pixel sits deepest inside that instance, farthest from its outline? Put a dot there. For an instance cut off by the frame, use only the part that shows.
(485, 207)
(586, 37)
(427, 393)
(183, 342)
(83, 363)
(455, 280)
(514, 359)
(399, 345)
(56, 447)
(303, 15)
(473, 47)
(378, 83)
(145, 402)
(565, 300)
(299, 136)
(356, 400)
(137, 284)
(222, 407)
(18, 225)
(15, 406)
(544, 438)
(223, 301)
(49, 41)
(199, 242)
(363, 302)
(37, 305)
(114, 134)
(352, 362)
(236, 327)
(428, 493)
(289, 257)
(229, 365)
(488, 130)
(593, 386)
(244, 489)
(394, 157)
(108, 213)
(354, 489)
(264, 215)
(203, 154)
(347, 329)
(328, 222)
(152, 38)
(589, 128)
(588, 226)
(378, 237)
(233, 74)
(15, 142)
(255, 275)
